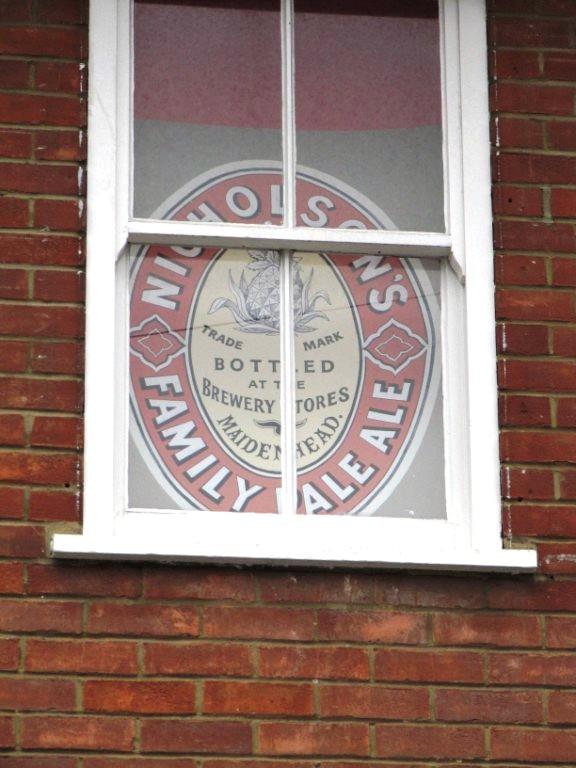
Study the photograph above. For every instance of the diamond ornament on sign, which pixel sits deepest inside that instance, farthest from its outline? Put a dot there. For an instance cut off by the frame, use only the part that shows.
(394, 346)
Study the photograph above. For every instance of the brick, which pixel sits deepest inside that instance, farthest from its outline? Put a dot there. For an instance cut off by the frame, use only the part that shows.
(560, 66)
(227, 738)
(15, 144)
(374, 702)
(487, 629)
(21, 541)
(372, 627)
(560, 632)
(57, 357)
(166, 697)
(11, 503)
(25, 320)
(562, 136)
(59, 77)
(530, 33)
(13, 356)
(142, 620)
(109, 580)
(563, 341)
(63, 215)
(521, 484)
(513, 304)
(420, 592)
(47, 506)
(40, 394)
(13, 213)
(526, 744)
(143, 762)
(557, 558)
(83, 733)
(538, 447)
(59, 285)
(37, 694)
(432, 742)
(534, 99)
(566, 412)
(38, 41)
(543, 521)
(198, 584)
(537, 169)
(56, 432)
(532, 669)
(564, 270)
(15, 10)
(533, 596)
(11, 577)
(6, 733)
(524, 411)
(40, 179)
(488, 706)
(256, 698)
(41, 249)
(567, 485)
(516, 65)
(314, 663)
(12, 430)
(34, 109)
(62, 12)
(40, 616)
(210, 659)
(315, 588)
(560, 8)
(562, 707)
(58, 761)
(38, 468)
(521, 133)
(9, 655)
(13, 282)
(60, 145)
(428, 666)
(516, 269)
(303, 738)
(536, 375)
(81, 656)
(534, 236)
(265, 623)
(563, 205)
(522, 339)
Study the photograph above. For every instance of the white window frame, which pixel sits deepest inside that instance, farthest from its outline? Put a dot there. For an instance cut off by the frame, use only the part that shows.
(470, 538)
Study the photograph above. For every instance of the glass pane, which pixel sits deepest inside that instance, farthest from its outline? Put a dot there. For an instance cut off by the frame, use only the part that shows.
(368, 106)
(368, 386)
(205, 379)
(207, 107)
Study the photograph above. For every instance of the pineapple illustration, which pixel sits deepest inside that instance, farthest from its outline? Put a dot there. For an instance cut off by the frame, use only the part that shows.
(256, 307)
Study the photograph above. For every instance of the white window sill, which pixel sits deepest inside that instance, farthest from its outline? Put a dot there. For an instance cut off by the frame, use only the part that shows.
(127, 548)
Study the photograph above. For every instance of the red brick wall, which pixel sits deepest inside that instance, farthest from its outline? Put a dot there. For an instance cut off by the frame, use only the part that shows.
(109, 666)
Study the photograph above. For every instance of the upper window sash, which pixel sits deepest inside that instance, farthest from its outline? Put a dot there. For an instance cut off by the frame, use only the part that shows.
(289, 236)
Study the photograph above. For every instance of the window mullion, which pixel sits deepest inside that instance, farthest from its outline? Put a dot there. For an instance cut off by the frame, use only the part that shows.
(288, 502)
(288, 114)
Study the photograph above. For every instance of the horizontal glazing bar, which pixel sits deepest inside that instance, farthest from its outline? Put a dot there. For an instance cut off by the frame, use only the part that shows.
(385, 242)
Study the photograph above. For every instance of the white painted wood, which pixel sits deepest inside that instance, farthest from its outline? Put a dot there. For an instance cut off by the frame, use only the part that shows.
(288, 502)
(371, 551)
(452, 94)
(386, 242)
(481, 337)
(101, 245)
(470, 539)
(288, 113)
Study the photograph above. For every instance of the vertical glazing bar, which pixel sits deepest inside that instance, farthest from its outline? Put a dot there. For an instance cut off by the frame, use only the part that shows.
(287, 388)
(288, 116)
